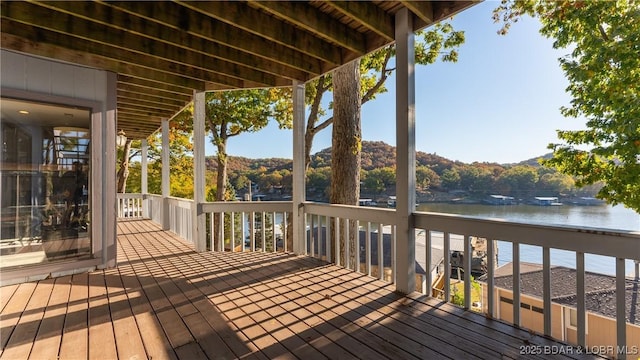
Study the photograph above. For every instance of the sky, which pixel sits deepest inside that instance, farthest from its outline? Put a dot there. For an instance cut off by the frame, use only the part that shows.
(499, 103)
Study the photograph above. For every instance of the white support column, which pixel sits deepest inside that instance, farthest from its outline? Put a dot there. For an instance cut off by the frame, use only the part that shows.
(298, 169)
(405, 153)
(166, 189)
(107, 190)
(144, 178)
(199, 223)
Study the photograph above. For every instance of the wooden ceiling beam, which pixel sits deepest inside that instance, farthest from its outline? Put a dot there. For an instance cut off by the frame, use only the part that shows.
(128, 42)
(186, 20)
(33, 38)
(423, 10)
(133, 88)
(124, 21)
(33, 46)
(125, 102)
(152, 98)
(369, 15)
(316, 22)
(126, 80)
(251, 20)
(145, 113)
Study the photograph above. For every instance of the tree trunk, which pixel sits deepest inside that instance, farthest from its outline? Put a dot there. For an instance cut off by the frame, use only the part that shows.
(221, 180)
(346, 149)
(123, 172)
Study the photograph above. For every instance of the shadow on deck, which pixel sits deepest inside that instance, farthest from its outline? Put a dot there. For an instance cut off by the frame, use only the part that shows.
(166, 301)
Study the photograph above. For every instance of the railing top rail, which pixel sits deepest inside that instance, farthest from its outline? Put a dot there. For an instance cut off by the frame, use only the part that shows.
(247, 206)
(129, 196)
(616, 243)
(363, 213)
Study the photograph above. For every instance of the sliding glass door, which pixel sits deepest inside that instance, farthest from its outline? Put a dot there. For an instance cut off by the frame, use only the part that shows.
(44, 183)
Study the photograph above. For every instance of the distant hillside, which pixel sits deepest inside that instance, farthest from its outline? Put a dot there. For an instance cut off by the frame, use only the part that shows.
(534, 161)
(375, 154)
(243, 164)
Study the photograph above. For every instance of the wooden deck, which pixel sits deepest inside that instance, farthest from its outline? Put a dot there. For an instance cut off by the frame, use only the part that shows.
(165, 301)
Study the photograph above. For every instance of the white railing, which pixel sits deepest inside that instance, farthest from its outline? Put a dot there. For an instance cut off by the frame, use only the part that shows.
(330, 227)
(130, 206)
(238, 226)
(181, 217)
(155, 204)
(248, 226)
(624, 246)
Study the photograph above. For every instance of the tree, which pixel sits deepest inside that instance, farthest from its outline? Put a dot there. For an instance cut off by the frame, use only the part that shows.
(346, 147)
(450, 179)
(426, 178)
(519, 180)
(603, 70)
(231, 113)
(441, 40)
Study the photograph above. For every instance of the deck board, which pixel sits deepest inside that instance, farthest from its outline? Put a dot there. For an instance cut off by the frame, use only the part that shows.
(75, 333)
(165, 301)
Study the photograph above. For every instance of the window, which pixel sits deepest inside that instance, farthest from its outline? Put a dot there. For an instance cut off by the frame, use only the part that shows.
(44, 182)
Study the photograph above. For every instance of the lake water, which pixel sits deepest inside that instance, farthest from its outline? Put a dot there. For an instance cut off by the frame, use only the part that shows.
(608, 217)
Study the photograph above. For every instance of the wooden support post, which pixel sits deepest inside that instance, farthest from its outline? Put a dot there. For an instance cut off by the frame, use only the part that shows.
(166, 221)
(405, 153)
(198, 217)
(144, 178)
(299, 243)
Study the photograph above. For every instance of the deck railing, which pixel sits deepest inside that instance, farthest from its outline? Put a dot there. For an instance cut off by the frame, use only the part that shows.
(331, 227)
(264, 226)
(623, 246)
(130, 206)
(248, 226)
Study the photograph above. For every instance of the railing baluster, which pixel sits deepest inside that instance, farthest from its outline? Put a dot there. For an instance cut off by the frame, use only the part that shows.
(357, 247)
(516, 283)
(467, 271)
(284, 232)
(546, 289)
(447, 266)
(233, 231)
(337, 239)
(393, 255)
(252, 231)
(621, 309)
(428, 279)
(327, 240)
(380, 252)
(347, 244)
(582, 338)
(306, 223)
(312, 236)
(221, 232)
(211, 232)
(273, 232)
(491, 266)
(367, 247)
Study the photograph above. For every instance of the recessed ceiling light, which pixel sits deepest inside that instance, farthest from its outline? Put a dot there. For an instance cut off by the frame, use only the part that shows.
(23, 112)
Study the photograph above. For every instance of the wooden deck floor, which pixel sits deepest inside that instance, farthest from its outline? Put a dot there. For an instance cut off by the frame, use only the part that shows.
(165, 301)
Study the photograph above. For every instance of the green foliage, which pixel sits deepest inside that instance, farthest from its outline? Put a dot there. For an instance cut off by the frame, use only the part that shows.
(380, 179)
(426, 178)
(231, 113)
(450, 179)
(603, 70)
(457, 295)
(518, 181)
(433, 173)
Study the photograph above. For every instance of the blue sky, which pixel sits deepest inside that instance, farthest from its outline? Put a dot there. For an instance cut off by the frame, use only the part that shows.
(499, 103)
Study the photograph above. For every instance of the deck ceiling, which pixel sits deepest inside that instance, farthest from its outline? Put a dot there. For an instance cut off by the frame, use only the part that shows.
(163, 51)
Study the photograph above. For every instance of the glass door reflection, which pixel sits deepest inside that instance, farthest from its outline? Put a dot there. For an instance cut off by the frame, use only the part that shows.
(46, 161)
